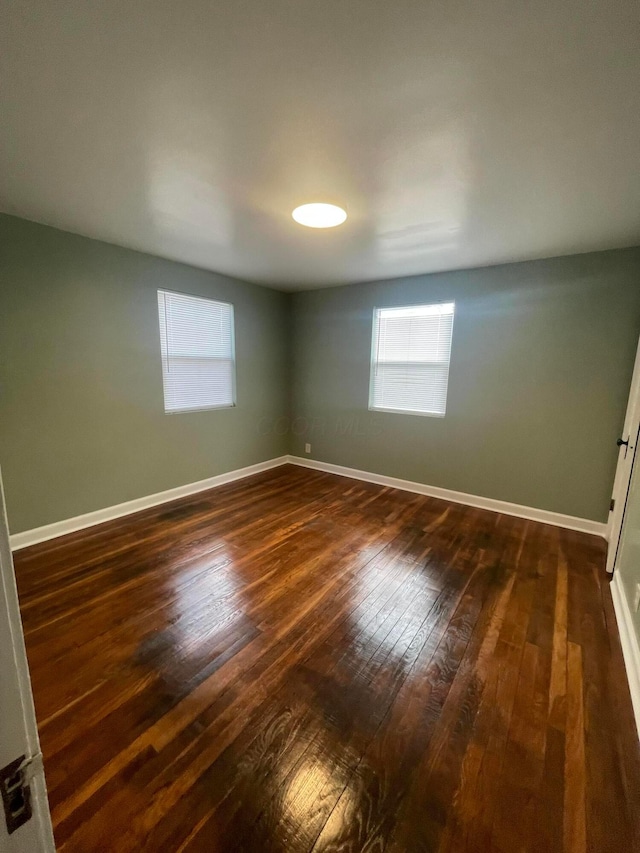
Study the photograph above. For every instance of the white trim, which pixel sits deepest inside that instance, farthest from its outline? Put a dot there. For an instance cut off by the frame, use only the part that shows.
(629, 643)
(19, 730)
(70, 525)
(80, 522)
(407, 412)
(624, 467)
(543, 515)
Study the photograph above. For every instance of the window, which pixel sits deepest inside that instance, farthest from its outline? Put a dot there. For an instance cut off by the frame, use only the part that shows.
(410, 359)
(198, 361)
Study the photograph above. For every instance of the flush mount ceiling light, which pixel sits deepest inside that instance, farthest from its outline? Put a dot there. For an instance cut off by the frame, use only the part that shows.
(319, 215)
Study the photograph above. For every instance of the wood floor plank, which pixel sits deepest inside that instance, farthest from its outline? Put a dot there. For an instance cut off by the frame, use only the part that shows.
(575, 829)
(303, 662)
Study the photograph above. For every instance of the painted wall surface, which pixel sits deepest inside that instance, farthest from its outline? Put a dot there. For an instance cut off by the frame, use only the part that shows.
(540, 370)
(82, 422)
(541, 364)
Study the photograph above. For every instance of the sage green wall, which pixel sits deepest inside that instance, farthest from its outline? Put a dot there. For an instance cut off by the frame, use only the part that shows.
(541, 364)
(540, 370)
(82, 424)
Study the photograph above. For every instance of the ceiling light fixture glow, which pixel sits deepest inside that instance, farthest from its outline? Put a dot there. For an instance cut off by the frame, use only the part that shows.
(319, 215)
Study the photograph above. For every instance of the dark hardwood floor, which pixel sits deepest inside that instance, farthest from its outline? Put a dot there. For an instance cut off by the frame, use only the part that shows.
(302, 662)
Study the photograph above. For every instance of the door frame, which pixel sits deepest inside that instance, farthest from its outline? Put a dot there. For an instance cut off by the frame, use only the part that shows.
(19, 731)
(624, 466)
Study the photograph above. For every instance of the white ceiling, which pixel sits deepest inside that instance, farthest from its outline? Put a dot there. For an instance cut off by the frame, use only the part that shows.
(456, 134)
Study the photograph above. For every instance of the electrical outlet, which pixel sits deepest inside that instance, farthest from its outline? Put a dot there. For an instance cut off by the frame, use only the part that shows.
(636, 598)
(307, 448)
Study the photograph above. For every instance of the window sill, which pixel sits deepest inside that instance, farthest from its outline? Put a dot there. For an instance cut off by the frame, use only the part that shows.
(408, 412)
(203, 409)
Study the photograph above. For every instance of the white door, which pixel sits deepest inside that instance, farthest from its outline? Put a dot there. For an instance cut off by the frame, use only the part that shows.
(627, 444)
(22, 785)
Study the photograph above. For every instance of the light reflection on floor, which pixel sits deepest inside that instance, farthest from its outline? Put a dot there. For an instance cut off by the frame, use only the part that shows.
(405, 593)
(207, 598)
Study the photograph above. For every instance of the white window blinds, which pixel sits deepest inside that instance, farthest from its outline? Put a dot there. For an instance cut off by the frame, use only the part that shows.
(198, 361)
(410, 358)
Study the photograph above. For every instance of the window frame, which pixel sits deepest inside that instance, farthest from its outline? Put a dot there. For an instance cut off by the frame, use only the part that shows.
(211, 408)
(374, 348)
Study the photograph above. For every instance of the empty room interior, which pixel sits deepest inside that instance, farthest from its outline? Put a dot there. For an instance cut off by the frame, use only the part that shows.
(319, 404)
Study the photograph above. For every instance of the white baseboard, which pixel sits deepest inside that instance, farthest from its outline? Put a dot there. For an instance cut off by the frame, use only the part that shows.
(629, 643)
(585, 525)
(70, 525)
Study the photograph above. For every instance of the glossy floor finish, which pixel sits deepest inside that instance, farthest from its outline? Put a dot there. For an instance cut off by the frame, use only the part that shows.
(302, 662)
